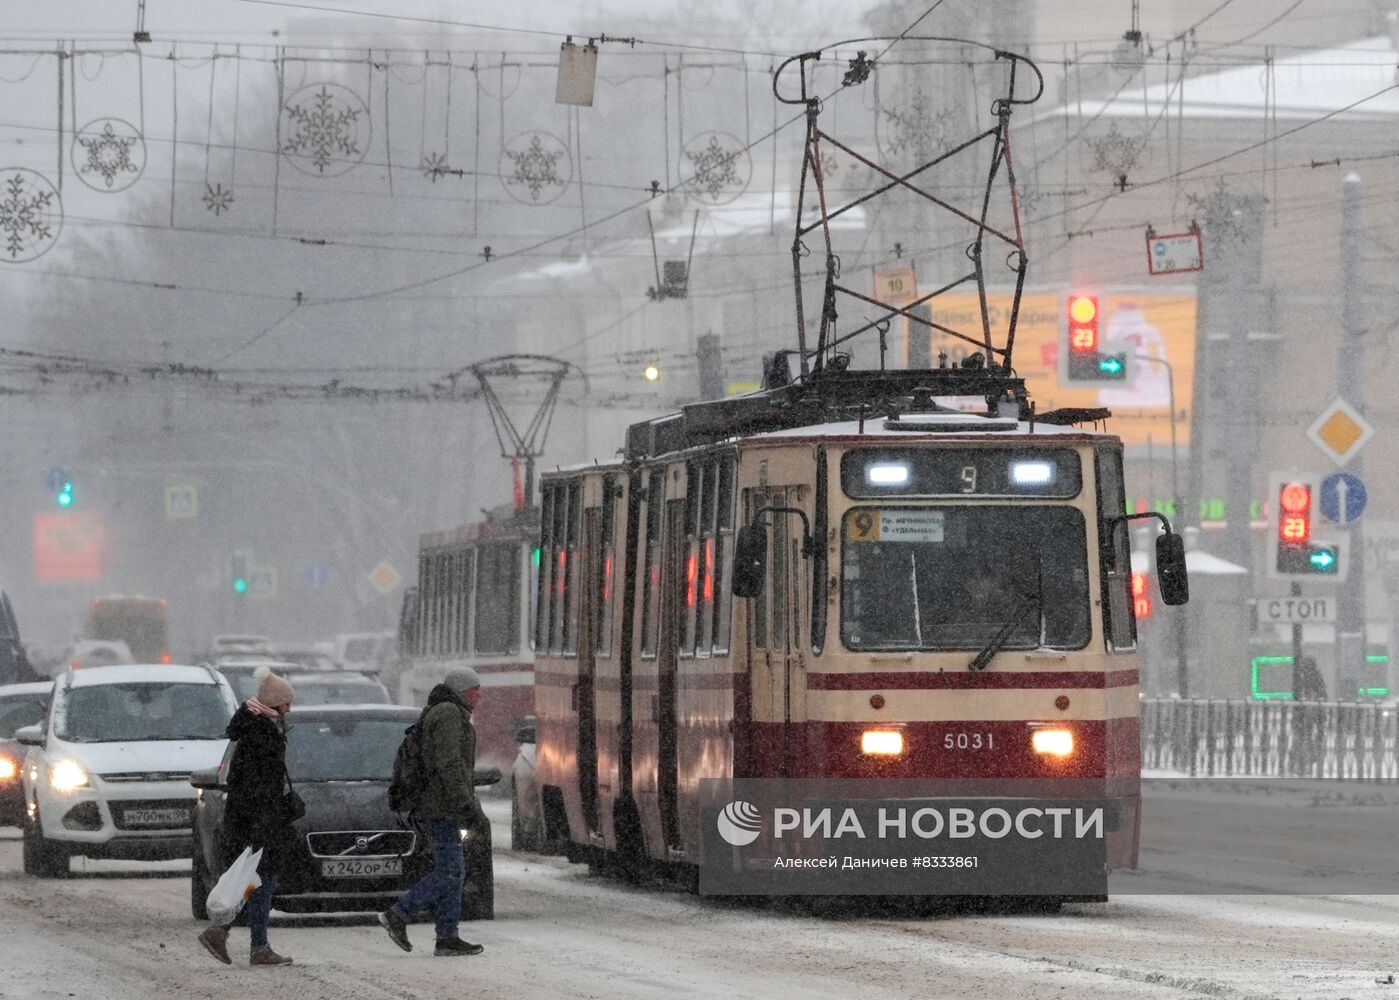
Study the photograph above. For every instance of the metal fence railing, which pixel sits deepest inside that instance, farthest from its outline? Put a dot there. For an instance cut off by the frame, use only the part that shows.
(1345, 741)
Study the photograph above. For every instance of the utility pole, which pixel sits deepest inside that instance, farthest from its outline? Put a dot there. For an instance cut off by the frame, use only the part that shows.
(1350, 386)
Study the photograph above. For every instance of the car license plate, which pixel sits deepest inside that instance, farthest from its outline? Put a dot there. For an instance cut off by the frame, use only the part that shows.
(361, 867)
(156, 817)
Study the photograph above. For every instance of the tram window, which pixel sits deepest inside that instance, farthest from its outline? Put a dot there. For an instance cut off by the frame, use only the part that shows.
(777, 574)
(558, 553)
(723, 548)
(543, 569)
(497, 598)
(758, 606)
(953, 577)
(704, 629)
(420, 638)
(651, 595)
(1115, 555)
(607, 566)
(694, 480)
(466, 576)
(571, 593)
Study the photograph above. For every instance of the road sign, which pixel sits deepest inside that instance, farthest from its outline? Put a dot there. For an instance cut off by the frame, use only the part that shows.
(68, 545)
(262, 581)
(896, 283)
(384, 577)
(1295, 610)
(1174, 252)
(1342, 497)
(182, 502)
(1340, 431)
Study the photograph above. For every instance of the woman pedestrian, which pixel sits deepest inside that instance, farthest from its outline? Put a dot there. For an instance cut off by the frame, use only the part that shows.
(259, 810)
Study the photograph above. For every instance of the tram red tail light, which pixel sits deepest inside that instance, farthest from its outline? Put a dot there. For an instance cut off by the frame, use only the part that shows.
(882, 742)
(1053, 742)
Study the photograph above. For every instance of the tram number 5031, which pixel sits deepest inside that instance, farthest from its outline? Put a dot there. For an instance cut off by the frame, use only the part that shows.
(968, 741)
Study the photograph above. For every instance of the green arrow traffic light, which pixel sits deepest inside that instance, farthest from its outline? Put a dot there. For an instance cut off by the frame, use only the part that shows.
(1110, 365)
(1324, 560)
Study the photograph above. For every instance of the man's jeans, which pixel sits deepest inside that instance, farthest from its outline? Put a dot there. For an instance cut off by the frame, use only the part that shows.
(441, 887)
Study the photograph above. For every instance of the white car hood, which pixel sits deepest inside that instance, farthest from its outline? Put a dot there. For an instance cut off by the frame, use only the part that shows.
(168, 756)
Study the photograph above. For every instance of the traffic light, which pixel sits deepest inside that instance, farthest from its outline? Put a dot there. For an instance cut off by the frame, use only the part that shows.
(1084, 361)
(1295, 552)
(238, 571)
(60, 484)
(1141, 595)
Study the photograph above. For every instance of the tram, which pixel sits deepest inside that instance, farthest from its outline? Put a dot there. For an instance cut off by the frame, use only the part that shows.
(837, 579)
(470, 607)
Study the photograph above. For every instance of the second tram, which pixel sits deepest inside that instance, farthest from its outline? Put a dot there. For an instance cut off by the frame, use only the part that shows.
(471, 608)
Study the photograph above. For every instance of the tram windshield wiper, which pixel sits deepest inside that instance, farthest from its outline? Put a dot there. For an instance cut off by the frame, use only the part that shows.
(1030, 600)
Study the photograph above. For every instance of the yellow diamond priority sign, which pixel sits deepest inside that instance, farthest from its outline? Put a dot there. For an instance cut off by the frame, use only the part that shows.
(384, 577)
(1341, 431)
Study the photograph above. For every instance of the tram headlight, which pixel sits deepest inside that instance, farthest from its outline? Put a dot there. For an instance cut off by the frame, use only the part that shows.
(886, 473)
(1037, 473)
(882, 742)
(1053, 742)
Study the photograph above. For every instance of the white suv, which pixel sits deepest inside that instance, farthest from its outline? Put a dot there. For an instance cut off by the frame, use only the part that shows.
(107, 774)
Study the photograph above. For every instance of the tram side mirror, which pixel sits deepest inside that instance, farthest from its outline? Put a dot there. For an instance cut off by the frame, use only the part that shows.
(1170, 568)
(750, 560)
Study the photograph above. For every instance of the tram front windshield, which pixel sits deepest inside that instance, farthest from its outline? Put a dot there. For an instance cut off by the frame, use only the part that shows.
(953, 577)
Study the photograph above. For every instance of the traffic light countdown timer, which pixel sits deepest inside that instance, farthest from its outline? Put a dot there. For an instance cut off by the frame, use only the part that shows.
(1294, 553)
(1083, 362)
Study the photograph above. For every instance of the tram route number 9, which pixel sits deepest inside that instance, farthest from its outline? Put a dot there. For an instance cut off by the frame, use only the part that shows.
(969, 741)
(863, 526)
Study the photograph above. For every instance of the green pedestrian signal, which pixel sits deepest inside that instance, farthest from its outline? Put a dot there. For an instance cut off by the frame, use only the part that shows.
(64, 496)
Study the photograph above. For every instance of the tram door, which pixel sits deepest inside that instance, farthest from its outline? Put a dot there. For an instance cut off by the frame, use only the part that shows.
(774, 638)
(585, 693)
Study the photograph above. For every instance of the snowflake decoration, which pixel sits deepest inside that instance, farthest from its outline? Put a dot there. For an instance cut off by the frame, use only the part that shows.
(31, 215)
(1227, 215)
(217, 199)
(109, 155)
(536, 166)
(436, 165)
(917, 130)
(326, 130)
(1116, 153)
(721, 167)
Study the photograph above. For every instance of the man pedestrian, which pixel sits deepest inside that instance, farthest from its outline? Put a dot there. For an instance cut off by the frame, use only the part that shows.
(258, 809)
(448, 805)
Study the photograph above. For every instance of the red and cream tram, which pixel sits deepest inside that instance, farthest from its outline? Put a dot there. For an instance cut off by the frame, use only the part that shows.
(934, 595)
(470, 608)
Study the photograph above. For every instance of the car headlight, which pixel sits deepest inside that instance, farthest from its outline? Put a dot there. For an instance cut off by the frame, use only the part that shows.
(7, 769)
(66, 775)
(467, 835)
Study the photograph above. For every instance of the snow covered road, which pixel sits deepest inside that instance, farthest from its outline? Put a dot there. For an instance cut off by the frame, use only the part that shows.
(123, 931)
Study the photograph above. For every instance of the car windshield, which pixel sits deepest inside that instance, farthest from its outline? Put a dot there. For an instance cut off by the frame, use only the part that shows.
(20, 710)
(362, 692)
(952, 577)
(119, 713)
(348, 749)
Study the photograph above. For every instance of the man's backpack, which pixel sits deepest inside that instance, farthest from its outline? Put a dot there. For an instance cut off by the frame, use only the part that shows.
(410, 775)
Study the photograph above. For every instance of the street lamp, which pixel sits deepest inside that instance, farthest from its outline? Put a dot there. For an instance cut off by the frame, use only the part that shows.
(1182, 657)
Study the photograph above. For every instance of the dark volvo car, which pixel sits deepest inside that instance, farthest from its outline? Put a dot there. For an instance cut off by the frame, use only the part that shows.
(352, 853)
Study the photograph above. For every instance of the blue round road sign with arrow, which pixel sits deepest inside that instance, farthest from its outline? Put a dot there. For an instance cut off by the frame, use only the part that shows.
(1343, 497)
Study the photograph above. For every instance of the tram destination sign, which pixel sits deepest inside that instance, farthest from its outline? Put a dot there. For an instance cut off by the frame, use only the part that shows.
(1296, 610)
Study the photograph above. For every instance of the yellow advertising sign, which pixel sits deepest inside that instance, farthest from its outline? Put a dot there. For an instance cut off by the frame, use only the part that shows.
(1148, 326)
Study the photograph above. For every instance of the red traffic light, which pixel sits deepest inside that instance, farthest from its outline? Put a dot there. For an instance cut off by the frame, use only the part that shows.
(1141, 596)
(1294, 513)
(1083, 323)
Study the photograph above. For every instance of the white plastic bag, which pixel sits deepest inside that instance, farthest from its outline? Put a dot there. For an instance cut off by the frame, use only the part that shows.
(234, 887)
